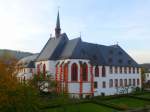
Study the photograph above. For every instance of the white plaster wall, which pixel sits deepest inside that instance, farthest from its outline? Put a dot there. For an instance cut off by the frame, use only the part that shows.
(50, 66)
(113, 90)
(73, 87)
(147, 77)
(86, 87)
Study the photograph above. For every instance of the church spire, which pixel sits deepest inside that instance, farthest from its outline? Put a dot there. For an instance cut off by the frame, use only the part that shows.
(57, 28)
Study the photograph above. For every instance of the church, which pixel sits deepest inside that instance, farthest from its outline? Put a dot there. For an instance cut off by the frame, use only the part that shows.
(83, 69)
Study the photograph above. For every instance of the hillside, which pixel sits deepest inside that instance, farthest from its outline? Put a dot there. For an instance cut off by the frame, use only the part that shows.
(14, 53)
(146, 66)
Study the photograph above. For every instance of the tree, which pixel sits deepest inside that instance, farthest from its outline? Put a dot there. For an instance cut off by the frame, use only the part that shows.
(14, 96)
(43, 83)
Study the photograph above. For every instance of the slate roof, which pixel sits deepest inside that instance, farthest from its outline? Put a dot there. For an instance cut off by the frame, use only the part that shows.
(28, 62)
(63, 48)
(53, 48)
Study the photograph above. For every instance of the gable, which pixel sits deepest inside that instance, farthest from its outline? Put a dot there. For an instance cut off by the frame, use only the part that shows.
(53, 48)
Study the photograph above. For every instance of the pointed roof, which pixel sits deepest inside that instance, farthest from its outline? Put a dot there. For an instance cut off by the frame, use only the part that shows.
(53, 48)
(58, 21)
(57, 29)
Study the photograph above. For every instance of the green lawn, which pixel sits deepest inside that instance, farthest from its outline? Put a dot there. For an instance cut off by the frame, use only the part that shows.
(145, 95)
(129, 102)
(88, 107)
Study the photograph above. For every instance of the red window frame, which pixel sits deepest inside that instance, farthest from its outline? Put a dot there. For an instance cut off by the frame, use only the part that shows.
(74, 72)
(84, 72)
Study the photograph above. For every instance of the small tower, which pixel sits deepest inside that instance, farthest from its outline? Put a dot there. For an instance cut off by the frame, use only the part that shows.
(57, 28)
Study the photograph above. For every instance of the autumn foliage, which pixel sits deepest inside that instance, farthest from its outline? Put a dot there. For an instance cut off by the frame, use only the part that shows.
(14, 96)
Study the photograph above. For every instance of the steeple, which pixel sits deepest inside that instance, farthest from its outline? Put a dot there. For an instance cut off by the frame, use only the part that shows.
(57, 28)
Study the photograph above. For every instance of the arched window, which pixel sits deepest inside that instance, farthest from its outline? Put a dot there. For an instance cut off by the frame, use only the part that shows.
(104, 84)
(125, 82)
(133, 69)
(133, 82)
(130, 83)
(121, 83)
(74, 72)
(103, 71)
(116, 82)
(129, 70)
(120, 69)
(125, 70)
(138, 82)
(137, 70)
(44, 69)
(84, 72)
(110, 83)
(65, 72)
(116, 69)
(96, 71)
(110, 69)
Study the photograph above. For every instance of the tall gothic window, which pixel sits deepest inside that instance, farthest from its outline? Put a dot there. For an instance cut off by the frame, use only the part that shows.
(74, 72)
(103, 71)
(84, 72)
(65, 72)
(96, 71)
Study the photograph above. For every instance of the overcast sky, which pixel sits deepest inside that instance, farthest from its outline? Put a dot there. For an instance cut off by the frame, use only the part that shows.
(26, 25)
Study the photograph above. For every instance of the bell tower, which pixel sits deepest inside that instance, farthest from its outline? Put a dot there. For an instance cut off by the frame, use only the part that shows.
(57, 28)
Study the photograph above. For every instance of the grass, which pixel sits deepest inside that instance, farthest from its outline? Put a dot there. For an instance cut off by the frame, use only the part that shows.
(87, 107)
(123, 102)
(128, 102)
(145, 95)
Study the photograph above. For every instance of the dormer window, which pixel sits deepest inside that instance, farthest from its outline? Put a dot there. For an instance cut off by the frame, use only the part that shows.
(129, 62)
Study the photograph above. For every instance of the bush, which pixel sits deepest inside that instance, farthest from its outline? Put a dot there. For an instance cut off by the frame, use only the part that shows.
(15, 97)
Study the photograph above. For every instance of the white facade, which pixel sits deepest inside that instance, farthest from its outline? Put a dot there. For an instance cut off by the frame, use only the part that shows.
(147, 77)
(49, 66)
(130, 78)
(25, 74)
(115, 88)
